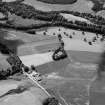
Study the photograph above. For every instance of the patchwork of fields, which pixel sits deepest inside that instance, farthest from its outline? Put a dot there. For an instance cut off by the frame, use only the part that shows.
(76, 72)
(69, 79)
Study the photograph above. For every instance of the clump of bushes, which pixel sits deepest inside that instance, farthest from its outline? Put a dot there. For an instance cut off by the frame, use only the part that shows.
(51, 101)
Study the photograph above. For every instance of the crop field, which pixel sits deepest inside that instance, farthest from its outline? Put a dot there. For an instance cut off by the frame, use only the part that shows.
(78, 6)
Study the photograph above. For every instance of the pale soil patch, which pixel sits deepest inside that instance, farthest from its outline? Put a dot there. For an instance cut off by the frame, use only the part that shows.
(54, 75)
(73, 18)
(37, 59)
(101, 13)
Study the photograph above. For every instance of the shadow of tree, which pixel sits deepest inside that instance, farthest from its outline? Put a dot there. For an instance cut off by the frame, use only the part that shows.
(11, 44)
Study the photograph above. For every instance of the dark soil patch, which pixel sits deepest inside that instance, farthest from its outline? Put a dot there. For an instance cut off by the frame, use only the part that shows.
(59, 1)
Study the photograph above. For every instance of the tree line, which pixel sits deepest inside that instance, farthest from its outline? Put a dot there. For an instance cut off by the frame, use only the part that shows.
(52, 18)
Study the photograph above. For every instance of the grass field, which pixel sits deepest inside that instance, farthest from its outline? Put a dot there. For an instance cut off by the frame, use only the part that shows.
(72, 86)
(73, 92)
(67, 68)
(78, 6)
